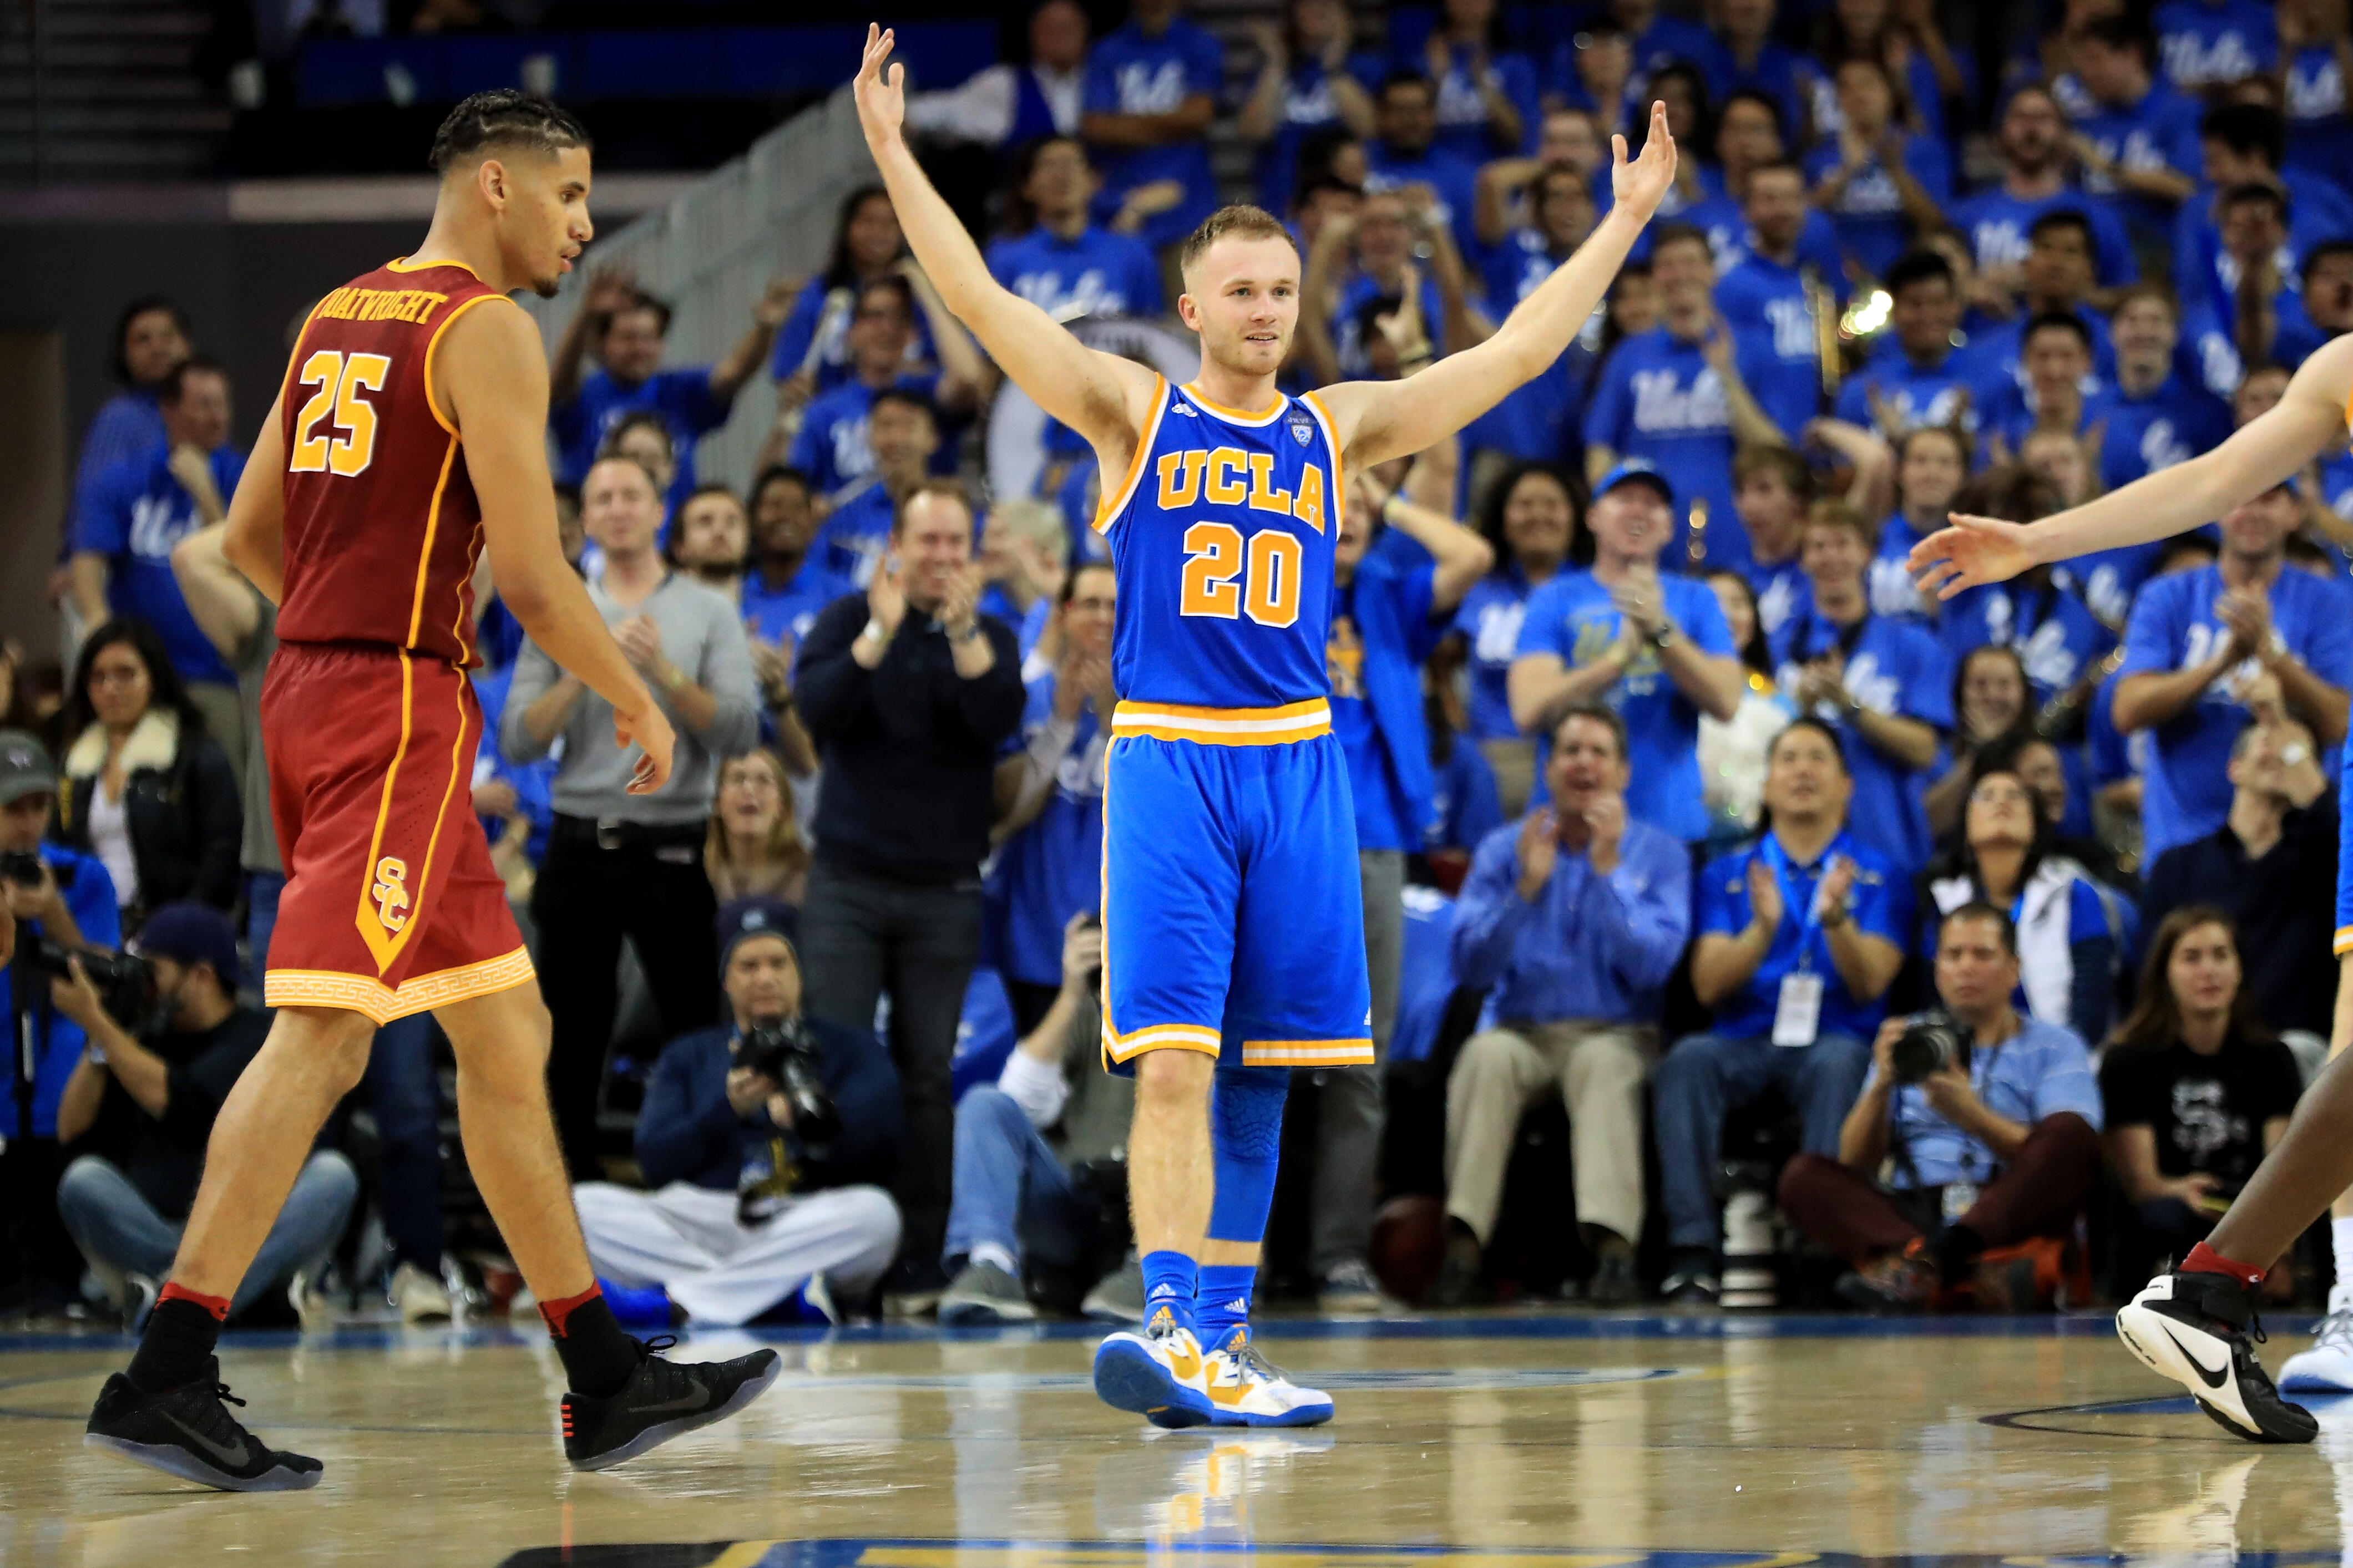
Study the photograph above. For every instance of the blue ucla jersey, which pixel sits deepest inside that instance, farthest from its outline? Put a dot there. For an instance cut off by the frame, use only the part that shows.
(1222, 538)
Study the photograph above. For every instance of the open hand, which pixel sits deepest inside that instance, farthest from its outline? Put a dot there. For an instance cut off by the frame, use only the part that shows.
(881, 96)
(1765, 906)
(1538, 851)
(641, 640)
(1972, 552)
(1837, 883)
(1640, 185)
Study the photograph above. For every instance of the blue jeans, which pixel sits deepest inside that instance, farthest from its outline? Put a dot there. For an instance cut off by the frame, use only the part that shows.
(404, 1095)
(116, 1227)
(1010, 1188)
(1706, 1075)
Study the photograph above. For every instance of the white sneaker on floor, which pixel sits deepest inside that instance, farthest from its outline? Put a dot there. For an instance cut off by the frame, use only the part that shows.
(313, 1306)
(421, 1297)
(1248, 1389)
(2328, 1367)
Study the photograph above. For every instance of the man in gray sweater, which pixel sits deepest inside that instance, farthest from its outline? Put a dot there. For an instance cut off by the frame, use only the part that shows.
(617, 864)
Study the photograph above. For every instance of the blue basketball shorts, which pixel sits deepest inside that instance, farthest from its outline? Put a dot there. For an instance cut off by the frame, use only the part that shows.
(1232, 908)
(2344, 942)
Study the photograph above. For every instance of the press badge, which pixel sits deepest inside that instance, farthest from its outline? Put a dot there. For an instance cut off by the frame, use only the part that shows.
(1797, 1017)
(1960, 1197)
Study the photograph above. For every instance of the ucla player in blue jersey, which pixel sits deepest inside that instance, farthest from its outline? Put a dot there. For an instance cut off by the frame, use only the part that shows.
(1233, 937)
(2191, 1323)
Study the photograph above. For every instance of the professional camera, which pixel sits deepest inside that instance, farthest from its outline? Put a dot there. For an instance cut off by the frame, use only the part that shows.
(21, 867)
(789, 1052)
(125, 983)
(1929, 1041)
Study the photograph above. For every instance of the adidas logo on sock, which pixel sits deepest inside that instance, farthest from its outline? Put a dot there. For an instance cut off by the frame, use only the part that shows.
(1161, 1292)
(1236, 1306)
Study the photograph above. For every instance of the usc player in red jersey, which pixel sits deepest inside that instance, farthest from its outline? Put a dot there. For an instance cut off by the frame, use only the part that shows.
(409, 437)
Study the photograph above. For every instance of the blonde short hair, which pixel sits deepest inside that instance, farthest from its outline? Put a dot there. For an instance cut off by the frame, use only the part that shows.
(1241, 220)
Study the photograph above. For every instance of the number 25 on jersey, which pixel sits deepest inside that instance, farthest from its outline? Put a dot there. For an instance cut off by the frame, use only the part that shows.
(349, 445)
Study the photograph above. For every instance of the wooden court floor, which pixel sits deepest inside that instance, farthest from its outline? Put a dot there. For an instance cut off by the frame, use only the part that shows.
(1491, 1442)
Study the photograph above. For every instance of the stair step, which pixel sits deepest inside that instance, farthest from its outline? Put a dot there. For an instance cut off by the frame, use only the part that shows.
(61, 87)
(64, 121)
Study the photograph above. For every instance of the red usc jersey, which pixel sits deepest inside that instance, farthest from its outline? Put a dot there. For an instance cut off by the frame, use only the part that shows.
(382, 524)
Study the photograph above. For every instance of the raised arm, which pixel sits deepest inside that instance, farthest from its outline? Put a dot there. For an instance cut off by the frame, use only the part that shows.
(751, 350)
(1378, 420)
(492, 380)
(1100, 395)
(2308, 417)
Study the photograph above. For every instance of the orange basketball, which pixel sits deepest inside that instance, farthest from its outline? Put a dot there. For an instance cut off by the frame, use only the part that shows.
(1409, 1245)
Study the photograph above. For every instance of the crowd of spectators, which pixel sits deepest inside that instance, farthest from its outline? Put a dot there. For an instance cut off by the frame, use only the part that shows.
(2002, 922)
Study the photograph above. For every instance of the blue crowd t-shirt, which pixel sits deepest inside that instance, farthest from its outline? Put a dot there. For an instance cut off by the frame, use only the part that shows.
(832, 447)
(1350, 331)
(1052, 869)
(1098, 273)
(133, 513)
(1488, 618)
(2206, 276)
(2107, 580)
(2056, 637)
(1888, 582)
(1462, 126)
(1463, 805)
(1880, 906)
(1772, 321)
(856, 535)
(1997, 225)
(683, 397)
(1657, 398)
(2174, 627)
(1944, 392)
(1369, 644)
(1134, 72)
(1782, 590)
(1307, 108)
(1572, 618)
(2159, 131)
(1731, 239)
(817, 334)
(2173, 423)
(1891, 669)
(1996, 357)
(2203, 44)
(57, 1040)
(1869, 212)
(783, 615)
(1453, 181)
(2320, 132)
(1778, 73)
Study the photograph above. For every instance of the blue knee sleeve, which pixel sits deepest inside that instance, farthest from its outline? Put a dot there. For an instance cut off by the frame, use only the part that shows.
(1245, 1142)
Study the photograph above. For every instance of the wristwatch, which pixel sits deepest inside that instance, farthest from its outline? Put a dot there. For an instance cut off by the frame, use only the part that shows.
(874, 629)
(1662, 635)
(966, 634)
(2294, 754)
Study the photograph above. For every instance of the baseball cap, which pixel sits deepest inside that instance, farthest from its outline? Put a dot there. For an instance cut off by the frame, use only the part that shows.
(741, 920)
(24, 767)
(1629, 470)
(192, 933)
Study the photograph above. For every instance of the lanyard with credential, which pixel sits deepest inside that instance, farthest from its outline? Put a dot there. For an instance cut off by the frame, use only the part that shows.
(1809, 925)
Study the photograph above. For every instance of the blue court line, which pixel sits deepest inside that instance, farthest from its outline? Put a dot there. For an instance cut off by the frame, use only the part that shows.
(1555, 1326)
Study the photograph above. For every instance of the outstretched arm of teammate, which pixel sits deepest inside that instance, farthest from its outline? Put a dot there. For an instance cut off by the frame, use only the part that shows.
(1378, 420)
(2268, 448)
(1101, 396)
(493, 381)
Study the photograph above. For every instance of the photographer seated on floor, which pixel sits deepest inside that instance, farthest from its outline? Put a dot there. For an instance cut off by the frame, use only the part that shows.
(1976, 1131)
(138, 1110)
(766, 1141)
(1027, 1152)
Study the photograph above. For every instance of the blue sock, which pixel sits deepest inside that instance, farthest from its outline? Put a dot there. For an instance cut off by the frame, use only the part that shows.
(1169, 1282)
(1222, 1303)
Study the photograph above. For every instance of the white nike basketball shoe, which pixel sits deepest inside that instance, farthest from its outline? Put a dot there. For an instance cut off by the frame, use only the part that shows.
(2196, 1328)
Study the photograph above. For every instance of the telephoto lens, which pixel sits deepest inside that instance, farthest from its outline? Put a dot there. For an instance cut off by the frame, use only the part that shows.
(1926, 1044)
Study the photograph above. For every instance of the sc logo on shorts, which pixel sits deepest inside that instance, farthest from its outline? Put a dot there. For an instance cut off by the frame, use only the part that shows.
(391, 892)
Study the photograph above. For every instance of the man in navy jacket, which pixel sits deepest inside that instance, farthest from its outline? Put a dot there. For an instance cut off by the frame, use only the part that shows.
(754, 1202)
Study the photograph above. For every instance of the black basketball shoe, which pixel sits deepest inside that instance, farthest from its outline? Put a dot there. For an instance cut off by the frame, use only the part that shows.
(2201, 1330)
(188, 1432)
(661, 1400)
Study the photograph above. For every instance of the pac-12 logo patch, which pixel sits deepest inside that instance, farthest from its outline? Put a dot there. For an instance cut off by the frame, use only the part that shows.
(391, 892)
(1302, 425)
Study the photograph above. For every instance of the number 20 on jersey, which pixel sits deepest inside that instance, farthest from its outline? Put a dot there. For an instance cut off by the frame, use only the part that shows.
(1225, 577)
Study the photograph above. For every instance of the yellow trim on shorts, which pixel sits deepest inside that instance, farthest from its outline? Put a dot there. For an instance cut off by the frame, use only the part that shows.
(1224, 726)
(2344, 943)
(1118, 1048)
(381, 1003)
(1307, 1053)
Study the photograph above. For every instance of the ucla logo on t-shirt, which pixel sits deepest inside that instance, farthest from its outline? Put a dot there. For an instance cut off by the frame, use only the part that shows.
(1302, 425)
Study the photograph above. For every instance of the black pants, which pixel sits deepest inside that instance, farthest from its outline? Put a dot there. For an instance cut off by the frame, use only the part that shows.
(862, 937)
(586, 900)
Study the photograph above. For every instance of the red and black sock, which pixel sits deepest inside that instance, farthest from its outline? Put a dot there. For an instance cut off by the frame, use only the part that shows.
(598, 1357)
(2204, 1260)
(179, 1338)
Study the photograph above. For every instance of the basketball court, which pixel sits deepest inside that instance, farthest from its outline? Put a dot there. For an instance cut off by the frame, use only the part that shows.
(1499, 1441)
